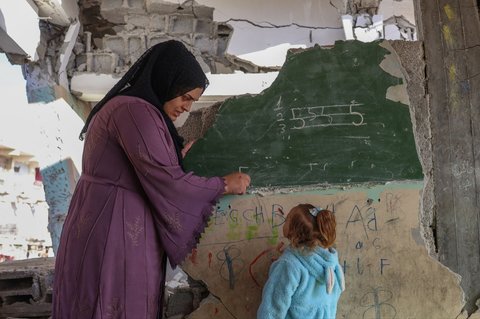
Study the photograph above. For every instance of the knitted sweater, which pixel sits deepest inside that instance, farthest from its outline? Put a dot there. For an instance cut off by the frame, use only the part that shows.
(303, 286)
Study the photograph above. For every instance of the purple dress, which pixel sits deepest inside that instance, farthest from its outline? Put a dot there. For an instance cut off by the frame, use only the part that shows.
(133, 206)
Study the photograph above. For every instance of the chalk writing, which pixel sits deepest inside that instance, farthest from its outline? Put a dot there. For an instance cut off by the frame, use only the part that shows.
(326, 115)
(279, 249)
(366, 216)
(279, 116)
(231, 265)
(257, 215)
(393, 203)
(360, 264)
(376, 301)
(383, 263)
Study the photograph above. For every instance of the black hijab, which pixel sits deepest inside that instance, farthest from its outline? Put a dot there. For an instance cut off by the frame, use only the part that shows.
(163, 72)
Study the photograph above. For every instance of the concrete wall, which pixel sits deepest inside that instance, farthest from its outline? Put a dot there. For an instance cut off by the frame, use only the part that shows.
(389, 273)
(280, 25)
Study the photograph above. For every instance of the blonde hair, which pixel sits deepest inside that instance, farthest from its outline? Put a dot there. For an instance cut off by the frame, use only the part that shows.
(307, 231)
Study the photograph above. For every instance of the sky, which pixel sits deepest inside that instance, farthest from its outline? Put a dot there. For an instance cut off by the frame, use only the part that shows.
(17, 117)
(34, 128)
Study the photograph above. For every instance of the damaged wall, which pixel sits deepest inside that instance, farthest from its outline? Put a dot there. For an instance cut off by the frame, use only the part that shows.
(389, 273)
(324, 102)
(382, 228)
(117, 32)
(437, 203)
(303, 24)
(452, 49)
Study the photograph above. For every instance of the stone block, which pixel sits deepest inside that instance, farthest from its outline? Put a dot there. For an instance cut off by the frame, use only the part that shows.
(179, 302)
(59, 181)
(26, 288)
(138, 20)
(115, 44)
(202, 12)
(136, 47)
(181, 24)
(102, 62)
(160, 6)
(158, 23)
(205, 44)
(204, 26)
(116, 11)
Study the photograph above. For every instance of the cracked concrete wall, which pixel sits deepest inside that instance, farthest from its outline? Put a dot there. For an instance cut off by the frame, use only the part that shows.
(113, 43)
(389, 273)
(277, 25)
(117, 32)
(451, 37)
(234, 227)
(304, 24)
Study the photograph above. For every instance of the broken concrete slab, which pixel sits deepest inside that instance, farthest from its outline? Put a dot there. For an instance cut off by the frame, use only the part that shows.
(387, 268)
(26, 288)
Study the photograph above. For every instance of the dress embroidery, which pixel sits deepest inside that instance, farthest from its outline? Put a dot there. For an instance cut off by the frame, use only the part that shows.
(143, 157)
(81, 223)
(173, 222)
(84, 309)
(115, 309)
(134, 230)
(91, 142)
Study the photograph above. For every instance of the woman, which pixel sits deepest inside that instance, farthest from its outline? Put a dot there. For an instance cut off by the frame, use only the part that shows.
(134, 205)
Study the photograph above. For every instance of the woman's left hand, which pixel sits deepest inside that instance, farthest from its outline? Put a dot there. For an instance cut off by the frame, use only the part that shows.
(187, 147)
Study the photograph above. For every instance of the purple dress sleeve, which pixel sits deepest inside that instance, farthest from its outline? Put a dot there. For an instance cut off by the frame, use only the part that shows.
(180, 202)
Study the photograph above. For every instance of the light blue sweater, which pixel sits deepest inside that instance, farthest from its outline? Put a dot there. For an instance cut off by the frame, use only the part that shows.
(303, 286)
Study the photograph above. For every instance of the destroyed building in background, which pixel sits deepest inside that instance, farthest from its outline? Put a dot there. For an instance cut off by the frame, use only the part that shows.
(83, 48)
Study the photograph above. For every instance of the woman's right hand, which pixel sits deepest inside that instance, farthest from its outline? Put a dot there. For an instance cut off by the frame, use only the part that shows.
(236, 183)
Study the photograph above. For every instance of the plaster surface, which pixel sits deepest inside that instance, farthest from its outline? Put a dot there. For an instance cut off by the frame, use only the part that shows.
(388, 270)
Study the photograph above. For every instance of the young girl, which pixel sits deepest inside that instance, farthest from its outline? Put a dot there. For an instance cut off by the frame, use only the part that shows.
(307, 280)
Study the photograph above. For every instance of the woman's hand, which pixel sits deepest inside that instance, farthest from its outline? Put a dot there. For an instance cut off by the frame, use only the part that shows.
(236, 183)
(186, 148)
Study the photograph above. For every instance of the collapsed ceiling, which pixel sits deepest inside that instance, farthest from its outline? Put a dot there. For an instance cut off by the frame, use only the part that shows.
(106, 37)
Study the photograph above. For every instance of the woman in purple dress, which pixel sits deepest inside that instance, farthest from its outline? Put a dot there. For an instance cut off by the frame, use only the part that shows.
(134, 204)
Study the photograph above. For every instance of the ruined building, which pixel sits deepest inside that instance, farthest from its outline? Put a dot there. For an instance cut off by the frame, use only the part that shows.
(382, 93)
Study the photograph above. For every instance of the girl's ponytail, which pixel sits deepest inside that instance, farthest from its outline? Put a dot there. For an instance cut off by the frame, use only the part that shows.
(326, 227)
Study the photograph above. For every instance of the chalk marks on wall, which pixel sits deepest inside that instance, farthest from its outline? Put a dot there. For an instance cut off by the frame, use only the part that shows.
(360, 223)
(267, 253)
(321, 121)
(377, 301)
(311, 117)
(326, 115)
(231, 264)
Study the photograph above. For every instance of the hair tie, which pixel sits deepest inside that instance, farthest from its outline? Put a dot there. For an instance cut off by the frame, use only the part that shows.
(314, 211)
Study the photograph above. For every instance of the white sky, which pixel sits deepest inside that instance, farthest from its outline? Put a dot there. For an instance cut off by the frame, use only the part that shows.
(17, 117)
(33, 128)
(21, 23)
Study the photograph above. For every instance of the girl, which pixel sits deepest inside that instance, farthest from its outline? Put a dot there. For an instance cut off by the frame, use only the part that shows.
(307, 280)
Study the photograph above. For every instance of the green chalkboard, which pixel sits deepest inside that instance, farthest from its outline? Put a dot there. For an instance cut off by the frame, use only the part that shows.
(325, 119)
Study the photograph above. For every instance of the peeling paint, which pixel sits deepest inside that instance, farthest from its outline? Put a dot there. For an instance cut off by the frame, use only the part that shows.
(378, 242)
(447, 35)
(391, 65)
(451, 14)
(398, 93)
